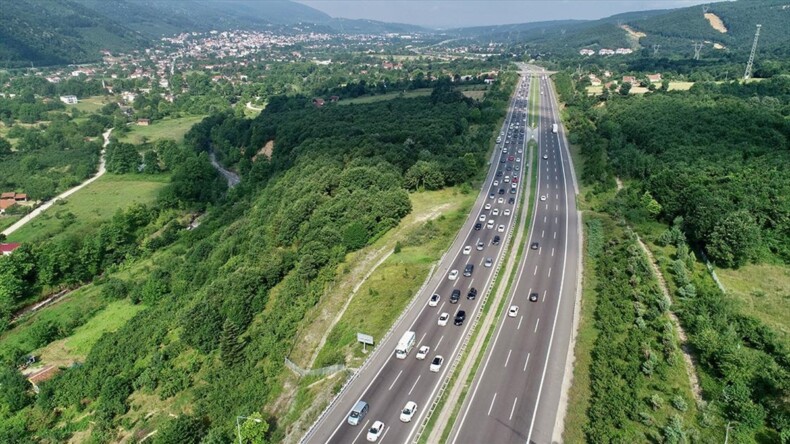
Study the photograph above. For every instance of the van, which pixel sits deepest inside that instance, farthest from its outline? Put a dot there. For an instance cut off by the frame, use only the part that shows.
(468, 270)
(358, 412)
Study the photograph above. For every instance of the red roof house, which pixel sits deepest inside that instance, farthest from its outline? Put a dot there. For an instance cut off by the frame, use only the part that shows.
(6, 249)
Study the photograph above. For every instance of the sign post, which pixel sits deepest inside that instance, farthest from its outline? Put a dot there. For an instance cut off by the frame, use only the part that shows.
(365, 340)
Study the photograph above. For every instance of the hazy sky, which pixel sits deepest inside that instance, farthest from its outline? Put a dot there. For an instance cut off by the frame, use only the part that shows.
(461, 13)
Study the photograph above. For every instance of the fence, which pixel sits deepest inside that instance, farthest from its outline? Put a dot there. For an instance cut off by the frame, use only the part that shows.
(314, 372)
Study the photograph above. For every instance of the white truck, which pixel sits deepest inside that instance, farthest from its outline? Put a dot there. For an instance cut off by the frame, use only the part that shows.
(554, 128)
(405, 345)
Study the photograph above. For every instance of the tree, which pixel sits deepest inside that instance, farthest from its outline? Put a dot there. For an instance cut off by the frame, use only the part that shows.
(254, 429)
(230, 347)
(734, 239)
(5, 147)
(625, 88)
(185, 429)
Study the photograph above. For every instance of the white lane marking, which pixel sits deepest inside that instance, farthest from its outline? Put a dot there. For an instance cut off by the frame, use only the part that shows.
(555, 235)
(518, 327)
(536, 270)
(552, 251)
(544, 295)
(526, 362)
(556, 207)
(365, 427)
(549, 271)
(557, 196)
(441, 307)
(481, 260)
(512, 409)
(555, 220)
(455, 282)
(437, 344)
(384, 434)
(415, 384)
(396, 380)
(536, 325)
(508, 356)
(542, 233)
(492, 404)
(471, 281)
(544, 219)
(421, 339)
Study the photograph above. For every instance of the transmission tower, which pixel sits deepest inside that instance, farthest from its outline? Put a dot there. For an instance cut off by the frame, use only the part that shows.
(748, 72)
(697, 49)
(655, 49)
(705, 9)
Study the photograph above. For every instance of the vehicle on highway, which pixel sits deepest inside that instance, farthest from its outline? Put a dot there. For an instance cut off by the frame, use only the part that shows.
(502, 200)
(405, 344)
(506, 212)
(487, 206)
(511, 201)
(513, 312)
(488, 262)
(472, 294)
(358, 412)
(513, 186)
(467, 249)
(495, 212)
(518, 167)
(491, 195)
(501, 228)
(455, 296)
(453, 275)
(520, 151)
(434, 301)
(518, 159)
(482, 218)
(510, 158)
(515, 179)
(496, 239)
(375, 431)
(545, 156)
(533, 297)
(423, 352)
(507, 179)
(436, 364)
(554, 128)
(468, 270)
(408, 411)
(460, 317)
(534, 246)
(443, 318)
(502, 160)
(501, 191)
(478, 226)
(496, 183)
(480, 246)
(490, 224)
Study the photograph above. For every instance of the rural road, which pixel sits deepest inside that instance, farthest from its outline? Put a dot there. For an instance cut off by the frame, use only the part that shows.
(43, 207)
(232, 178)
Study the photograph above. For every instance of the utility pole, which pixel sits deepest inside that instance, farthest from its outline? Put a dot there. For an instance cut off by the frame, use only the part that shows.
(748, 73)
(697, 49)
(655, 49)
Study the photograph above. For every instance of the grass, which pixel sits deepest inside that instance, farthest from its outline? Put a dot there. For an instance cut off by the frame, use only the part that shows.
(90, 104)
(161, 129)
(81, 213)
(76, 347)
(393, 95)
(762, 291)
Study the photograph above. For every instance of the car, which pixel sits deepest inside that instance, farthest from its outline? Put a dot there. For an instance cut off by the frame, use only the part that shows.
(515, 179)
(468, 270)
(502, 160)
(491, 195)
(513, 190)
(443, 319)
(487, 206)
(502, 200)
(422, 353)
(499, 173)
(506, 212)
(408, 411)
(434, 300)
(533, 297)
(482, 218)
(509, 168)
(480, 246)
(513, 312)
(472, 294)
(513, 185)
(455, 296)
(496, 240)
(496, 183)
(478, 226)
(518, 168)
(534, 246)
(490, 224)
(495, 212)
(453, 275)
(436, 364)
(520, 151)
(518, 159)
(501, 228)
(542, 197)
(467, 249)
(507, 179)
(460, 317)
(501, 191)
(510, 158)
(545, 156)
(375, 431)
(504, 150)
(511, 201)
(488, 262)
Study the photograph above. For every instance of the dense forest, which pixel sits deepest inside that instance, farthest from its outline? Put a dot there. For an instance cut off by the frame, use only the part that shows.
(223, 301)
(711, 164)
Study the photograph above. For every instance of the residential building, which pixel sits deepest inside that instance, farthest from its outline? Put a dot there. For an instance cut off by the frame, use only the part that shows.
(69, 100)
(7, 249)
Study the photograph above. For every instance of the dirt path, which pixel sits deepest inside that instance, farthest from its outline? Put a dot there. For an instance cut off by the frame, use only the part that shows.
(45, 206)
(715, 22)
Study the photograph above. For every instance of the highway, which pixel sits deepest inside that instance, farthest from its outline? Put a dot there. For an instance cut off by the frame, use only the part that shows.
(387, 383)
(515, 395)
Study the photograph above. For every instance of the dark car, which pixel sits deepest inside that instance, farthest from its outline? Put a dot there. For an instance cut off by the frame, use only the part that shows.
(501, 191)
(455, 296)
(490, 195)
(502, 160)
(533, 297)
(534, 246)
(511, 201)
(499, 173)
(512, 191)
(478, 226)
(460, 317)
(469, 269)
(496, 240)
(472, 294)
(509, 168)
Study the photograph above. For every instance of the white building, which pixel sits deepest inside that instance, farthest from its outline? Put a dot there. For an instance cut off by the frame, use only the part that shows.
(69, 100)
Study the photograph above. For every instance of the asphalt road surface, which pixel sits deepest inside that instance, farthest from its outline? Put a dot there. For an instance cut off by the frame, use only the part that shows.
(515, 395)
(387, 383)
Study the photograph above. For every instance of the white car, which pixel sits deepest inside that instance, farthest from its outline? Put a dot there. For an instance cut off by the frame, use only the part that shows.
(443, 319)
(467, 249)
(520, 151)
(495, 212)
(545, 156)
(518, 159)
(506, 212)
(487, 206)
(488, 262)
(513, 312)
(436, 364)
(375, 431)
(482, 218)
(408, 411)
(543, 197)
(480, 246)
(496, 183)
(434, 301)
(490, 224)
(501, 228)
(500, 200)
(422, 353)
(453, 275)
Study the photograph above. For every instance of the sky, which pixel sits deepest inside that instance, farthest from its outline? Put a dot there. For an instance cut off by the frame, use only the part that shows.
(464, 13)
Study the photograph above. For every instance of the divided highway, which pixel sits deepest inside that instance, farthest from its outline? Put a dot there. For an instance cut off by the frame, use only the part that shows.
(387, 383)
(515, 395)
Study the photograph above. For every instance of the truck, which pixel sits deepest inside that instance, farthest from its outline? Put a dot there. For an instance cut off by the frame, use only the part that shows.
(554, 128)
(405, 345)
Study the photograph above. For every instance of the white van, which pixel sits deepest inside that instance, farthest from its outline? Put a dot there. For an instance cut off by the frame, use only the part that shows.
(405, 345)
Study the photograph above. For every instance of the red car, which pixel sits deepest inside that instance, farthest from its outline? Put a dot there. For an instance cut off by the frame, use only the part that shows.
(510, 158)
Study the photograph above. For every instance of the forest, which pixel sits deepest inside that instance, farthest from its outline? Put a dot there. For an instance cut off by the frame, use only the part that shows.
(222, 301)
